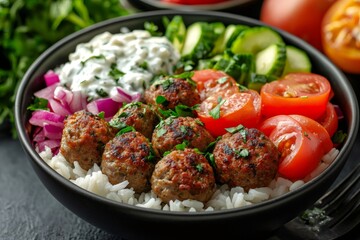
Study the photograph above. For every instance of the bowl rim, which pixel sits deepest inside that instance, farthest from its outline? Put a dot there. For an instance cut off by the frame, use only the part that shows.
(27, 146)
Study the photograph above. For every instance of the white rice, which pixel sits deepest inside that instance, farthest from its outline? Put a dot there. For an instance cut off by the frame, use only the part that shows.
(224, 197)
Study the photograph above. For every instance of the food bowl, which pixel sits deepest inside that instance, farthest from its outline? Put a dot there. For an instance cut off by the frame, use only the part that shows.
(132, 222)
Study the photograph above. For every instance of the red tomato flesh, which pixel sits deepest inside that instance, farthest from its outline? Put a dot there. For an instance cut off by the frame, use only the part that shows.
(297, 93)
(302, 142)
(242, 107)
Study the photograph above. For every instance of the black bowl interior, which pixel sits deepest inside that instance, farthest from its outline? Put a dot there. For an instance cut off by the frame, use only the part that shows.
(137, 223)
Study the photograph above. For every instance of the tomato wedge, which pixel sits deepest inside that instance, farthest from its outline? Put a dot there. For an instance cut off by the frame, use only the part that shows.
(330, 119)
(340, 35)
(211, 81)
(296, 93)
(224, 110)
(302, 142)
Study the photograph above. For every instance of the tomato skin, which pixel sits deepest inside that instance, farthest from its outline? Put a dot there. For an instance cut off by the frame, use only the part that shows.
(297, 93)
(300, 17)
(243, 107)
(345, 56)
(302, 142)
(211, 81)
(330, 119)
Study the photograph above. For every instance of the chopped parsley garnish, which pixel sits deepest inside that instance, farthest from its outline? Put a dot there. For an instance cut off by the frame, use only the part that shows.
(199, 168)
(152, 28)
(184, 75)
(222, 80)
(116, 123)
(240, 128)
(151, 157)
(179, 111)
(125, 130)
(101, 115)
(101, 92)
(243, 153)
(144, 65)
(161, 100)
(92, 57)
(167, 83)
(160, 132)
(39, 104)
(307, 135)
(215, 112)
(182, 145)
(339, 136)
(115, 73)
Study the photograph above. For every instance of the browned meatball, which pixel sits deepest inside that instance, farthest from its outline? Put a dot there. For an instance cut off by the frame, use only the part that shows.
(129, 157)
(183, 175)
(84, 137)
(246, 158)
(181, 130)
(138, 115)
(173, 91)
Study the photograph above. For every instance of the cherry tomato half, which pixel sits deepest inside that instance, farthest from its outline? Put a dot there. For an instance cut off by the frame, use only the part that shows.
(210, 82)
(224, 110)
(330, 119)
(296, 93)
(302, 142)
(340, 35)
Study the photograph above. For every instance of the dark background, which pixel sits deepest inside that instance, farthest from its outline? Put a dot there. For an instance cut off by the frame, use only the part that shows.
(28, 210)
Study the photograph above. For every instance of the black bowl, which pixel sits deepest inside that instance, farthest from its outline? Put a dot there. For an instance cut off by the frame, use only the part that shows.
(132, 222)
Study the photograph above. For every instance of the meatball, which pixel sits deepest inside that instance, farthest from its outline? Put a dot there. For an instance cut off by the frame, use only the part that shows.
(246, 158)
(180, 130)
(129, 157)
(84, 137)
(174, 91)
(138, 115)
(183, 175)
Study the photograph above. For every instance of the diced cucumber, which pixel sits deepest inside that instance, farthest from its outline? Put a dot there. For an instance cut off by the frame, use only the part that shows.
(256, 81)
(176, 32)
(255, 39)
(219, 31)
(271, 61)
(296, 60)
(247, 63)
(239, 66)
(208, 63)
(199, 41)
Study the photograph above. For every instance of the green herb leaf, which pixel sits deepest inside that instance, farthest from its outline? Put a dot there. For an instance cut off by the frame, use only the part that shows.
(215, 112)
(39, 104)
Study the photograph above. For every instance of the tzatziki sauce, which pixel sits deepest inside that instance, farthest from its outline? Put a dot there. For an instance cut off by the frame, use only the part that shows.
(128, 60)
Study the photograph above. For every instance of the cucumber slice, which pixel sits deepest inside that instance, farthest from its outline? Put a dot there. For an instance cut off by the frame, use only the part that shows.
(230, 33)
(176, 32)
(235, 32)
(255, 39)
(199, 41)
(296, 60)
(219, 31)
(271, 61)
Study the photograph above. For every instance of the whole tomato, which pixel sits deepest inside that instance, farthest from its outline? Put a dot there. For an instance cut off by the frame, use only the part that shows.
(302, 18)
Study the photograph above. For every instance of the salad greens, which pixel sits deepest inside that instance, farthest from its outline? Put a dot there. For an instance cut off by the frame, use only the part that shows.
(28, 27)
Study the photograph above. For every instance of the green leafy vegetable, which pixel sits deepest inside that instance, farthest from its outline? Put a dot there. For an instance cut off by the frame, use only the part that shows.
(29, 27)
